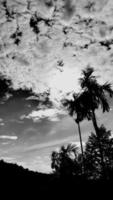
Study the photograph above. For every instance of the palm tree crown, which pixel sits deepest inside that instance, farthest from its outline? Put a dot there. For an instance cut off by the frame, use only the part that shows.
(75, 107)
(93, 93)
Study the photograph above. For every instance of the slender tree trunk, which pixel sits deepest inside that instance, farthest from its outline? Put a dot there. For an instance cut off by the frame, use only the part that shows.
(95, 123)
(99, 140)
(81, 145)
(80, 137)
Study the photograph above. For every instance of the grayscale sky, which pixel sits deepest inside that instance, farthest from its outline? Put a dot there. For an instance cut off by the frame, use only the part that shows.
(44, 45)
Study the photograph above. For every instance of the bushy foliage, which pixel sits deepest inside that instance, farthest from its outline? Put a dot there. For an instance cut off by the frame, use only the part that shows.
(66, 162)
(92, 155)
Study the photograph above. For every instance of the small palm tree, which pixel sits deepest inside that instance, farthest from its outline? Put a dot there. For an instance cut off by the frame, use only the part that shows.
(65, 162)
(75, 108)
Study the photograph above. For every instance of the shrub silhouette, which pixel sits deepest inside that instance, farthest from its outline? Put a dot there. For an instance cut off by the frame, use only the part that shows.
(93, 163)
(67, 161)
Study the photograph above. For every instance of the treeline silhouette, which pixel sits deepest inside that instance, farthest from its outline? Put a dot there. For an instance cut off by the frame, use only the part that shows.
(68, 162)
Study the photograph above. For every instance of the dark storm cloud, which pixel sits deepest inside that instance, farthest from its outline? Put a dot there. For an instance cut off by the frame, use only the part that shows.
(21, 93)
(7, 93)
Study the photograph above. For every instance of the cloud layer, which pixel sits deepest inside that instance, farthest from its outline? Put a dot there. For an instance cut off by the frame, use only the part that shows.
(45, 44)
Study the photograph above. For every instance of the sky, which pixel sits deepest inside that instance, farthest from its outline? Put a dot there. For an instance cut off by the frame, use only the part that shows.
(44, 45)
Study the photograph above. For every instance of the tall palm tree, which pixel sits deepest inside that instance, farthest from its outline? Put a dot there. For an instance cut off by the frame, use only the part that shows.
(75, 109)
(92, 96)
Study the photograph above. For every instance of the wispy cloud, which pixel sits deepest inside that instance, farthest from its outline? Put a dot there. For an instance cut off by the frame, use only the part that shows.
(57, 142)
(8, 137)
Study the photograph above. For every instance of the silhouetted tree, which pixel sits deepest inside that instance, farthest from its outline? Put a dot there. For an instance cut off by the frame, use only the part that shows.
(93, 156)
(65, 162)
(92, 96)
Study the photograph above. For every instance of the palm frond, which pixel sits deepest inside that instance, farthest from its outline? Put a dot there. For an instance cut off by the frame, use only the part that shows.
(71, 148)
(71, 105)
(107, 87)
(93, 94)
(104, 103)
(87, 72)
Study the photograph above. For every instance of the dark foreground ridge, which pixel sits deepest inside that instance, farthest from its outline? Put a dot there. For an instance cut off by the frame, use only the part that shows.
(15, 179)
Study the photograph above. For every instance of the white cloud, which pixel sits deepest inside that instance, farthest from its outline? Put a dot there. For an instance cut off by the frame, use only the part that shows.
(51, 114)
(9, 137)
(8, 158)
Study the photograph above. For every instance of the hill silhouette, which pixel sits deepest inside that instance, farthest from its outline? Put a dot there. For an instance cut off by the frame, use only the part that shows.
(13, 172)
(16, 179)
